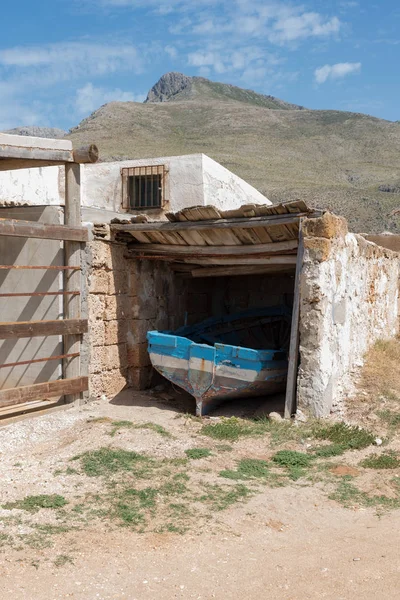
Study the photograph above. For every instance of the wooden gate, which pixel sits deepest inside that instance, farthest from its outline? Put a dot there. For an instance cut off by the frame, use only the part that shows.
(71, 326)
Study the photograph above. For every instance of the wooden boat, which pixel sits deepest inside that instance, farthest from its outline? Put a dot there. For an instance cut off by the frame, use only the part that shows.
(233, 356)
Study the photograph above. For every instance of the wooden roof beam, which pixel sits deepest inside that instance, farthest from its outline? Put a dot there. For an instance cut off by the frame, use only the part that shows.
(241, 250)
(22, 152)
(246, 223)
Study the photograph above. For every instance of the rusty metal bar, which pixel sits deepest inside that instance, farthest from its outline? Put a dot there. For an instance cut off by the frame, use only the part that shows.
(39, 294)
(37, 360)
(60, 268)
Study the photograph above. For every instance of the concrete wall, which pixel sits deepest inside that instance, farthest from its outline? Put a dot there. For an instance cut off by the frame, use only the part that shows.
(192, 180)
(40, 186)
(349, 296)
(22, 251)
(225, 190)
(391, 241)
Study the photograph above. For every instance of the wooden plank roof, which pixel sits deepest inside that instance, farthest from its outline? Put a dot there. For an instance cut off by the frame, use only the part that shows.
(201, 227)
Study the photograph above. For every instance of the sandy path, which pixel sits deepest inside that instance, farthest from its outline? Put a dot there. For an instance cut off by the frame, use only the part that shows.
(288, 543)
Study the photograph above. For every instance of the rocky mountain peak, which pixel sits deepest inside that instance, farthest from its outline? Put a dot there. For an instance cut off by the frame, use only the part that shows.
(168, 86)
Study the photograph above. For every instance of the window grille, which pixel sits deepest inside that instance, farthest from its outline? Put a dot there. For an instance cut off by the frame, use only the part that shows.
(143, 187)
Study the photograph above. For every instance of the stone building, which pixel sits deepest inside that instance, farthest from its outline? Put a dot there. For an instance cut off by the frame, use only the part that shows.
(153, 262)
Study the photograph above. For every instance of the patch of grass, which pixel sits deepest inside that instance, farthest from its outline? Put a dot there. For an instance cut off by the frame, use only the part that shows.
(328, 451)
(295, 462)
(380, 375)
(387, 460)
(99, 420)
(5, 539)
(228, 429)
(117, 425)
(197, 453)
(106, 461)
(132, 504)
(174, 488)
(36, 540)
(49, 529)
(291, 458)
(35, 503)
(233, 429)
(62, 560)
(349, 495)
(390, 417)
(224, 448)
(249, 468)
(350, 437)
(172, 528)
(220, 498)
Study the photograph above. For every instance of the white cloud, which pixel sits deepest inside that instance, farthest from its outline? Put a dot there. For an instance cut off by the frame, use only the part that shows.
(88, 98)
(322, 74)
(171, 51)
(64, 61)
(303, 26)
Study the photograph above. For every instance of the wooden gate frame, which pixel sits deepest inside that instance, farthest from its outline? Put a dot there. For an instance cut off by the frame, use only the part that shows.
(18, 152)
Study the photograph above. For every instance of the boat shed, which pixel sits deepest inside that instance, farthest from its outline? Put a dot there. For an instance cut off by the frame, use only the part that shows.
(203, 262)
(257, 241)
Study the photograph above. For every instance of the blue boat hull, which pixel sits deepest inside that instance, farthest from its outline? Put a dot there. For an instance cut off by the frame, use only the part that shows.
(221, 371)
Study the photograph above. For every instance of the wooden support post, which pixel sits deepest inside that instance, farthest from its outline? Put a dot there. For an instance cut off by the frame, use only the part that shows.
(291, 385)
(72, 279)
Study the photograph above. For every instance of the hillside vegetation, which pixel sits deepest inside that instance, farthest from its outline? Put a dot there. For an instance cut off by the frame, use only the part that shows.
(331, 159)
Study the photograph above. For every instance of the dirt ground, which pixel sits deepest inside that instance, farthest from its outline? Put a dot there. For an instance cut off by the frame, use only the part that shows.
(200, 526)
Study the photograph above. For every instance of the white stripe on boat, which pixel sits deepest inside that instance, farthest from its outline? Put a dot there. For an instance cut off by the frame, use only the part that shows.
(198, 364)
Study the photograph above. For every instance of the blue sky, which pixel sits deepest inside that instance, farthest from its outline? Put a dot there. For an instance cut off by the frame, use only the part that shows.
(62, 59)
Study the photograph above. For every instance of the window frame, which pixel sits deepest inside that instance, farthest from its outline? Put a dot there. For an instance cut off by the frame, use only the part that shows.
(142, 171)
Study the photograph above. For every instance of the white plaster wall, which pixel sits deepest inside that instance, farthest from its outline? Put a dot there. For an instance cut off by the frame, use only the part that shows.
(348, 302)
(225, 190)
(102, 182)
(39, 186)
(192, 180)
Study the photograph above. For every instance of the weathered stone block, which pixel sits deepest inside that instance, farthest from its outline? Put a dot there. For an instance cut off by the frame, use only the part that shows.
(101, 254)
(144, 309)
(108, 357)
(138, 331)
(328, 226)
(115, 332)
(117, 282)
(117, 307)
(97, 332)
(98, 281)
(96, 307)
(138, 355)
(140, 379)
(318, 248)
(118, 260)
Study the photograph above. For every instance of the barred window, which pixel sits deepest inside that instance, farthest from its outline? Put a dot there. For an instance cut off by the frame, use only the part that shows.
(143, 187)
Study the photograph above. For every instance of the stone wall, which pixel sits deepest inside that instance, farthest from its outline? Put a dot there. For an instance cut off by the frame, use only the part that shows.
(349, 296)
(109, 310)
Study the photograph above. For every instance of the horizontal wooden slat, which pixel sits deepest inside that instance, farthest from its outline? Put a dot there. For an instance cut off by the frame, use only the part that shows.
(240, 250)
(245, 223)
(42, 391)
(32, 229)
(20, 152)
(241, 270)
(40, 267)
(20, 363)
(24, 329)
(26, 407)
(36, 294)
